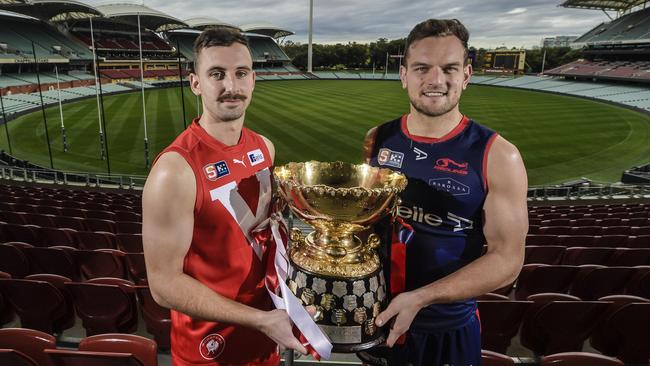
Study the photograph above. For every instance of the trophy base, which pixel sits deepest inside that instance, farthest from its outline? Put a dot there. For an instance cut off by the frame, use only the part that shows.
(347, 308)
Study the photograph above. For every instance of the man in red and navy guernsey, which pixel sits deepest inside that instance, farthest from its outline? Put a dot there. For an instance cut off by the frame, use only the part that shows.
(466, 187)
(204, 196)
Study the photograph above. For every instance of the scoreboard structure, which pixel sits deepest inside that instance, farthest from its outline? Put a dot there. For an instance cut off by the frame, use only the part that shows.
(504, 62)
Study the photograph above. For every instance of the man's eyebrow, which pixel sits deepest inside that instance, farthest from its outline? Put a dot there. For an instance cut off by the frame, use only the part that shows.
(455, 63)
(418, 63)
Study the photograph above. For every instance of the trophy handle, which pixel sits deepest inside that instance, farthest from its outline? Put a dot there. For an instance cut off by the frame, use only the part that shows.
(374, 242)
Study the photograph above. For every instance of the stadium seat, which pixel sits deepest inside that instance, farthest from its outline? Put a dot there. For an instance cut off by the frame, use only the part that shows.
(100, 214)
(500, 321)
(585, 221)
(39, 304)
(126, 227)
(42, 220)
(90, 240)
(593, 282)
(641, 241)
(75, 223)
(544, 254)
(137, 268)
(639, 284)
(127, 216)
(100, 263)
(599, 337)
(627, 332)
(538, 239)
(10, 217)
(490, 358)
(586, 230)
(29, 342)
(612, 241)
(579, 359)
(13, 357)
(13, 260)
(643, 230)
(576, 256)
(629, 257)
(6, 313)
(54, 260)
(144, 349)
(69, 211)
(61, 357)
(560, 326)
(555, 230)
(541, 278)
(129, 243)
(105, 305)
(50, 237)
(25, 207)
(100, 225)
(22, 233)
(157, 318)
(576, 240)
(615, 230)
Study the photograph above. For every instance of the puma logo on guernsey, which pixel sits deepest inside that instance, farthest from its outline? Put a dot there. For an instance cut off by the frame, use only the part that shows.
(451, 166)
(238, 161)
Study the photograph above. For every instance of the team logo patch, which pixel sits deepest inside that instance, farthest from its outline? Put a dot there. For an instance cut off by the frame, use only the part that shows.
(451, 166)
(212, 346)
(216, 170)
(390, 158)
(255, 157)
(449, 185)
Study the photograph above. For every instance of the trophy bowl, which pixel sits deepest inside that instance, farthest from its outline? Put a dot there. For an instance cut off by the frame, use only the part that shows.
(332, 268)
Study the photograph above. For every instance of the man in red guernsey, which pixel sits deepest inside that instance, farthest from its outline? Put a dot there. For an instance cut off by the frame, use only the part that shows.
(204, 195)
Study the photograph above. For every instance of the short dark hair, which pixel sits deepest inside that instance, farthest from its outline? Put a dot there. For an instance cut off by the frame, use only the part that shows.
(217, 36)
(438, 28)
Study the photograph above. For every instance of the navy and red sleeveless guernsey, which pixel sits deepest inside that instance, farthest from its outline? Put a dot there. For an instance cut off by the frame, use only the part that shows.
(233, 195)
(443, 202)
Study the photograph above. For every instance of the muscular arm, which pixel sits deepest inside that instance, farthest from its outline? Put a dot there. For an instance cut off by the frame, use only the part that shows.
(167, 227)
(506, 224)
(270, 147)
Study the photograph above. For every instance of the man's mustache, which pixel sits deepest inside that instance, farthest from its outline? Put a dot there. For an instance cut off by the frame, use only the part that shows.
(231, 96)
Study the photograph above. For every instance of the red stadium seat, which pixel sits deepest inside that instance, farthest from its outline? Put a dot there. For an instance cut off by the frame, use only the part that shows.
(586, 230)
(629, 257)
(96, 240)
(576, 256)
(39, 304)
(641, 241)
(593, 282)
(599, 337)
(50, 237)
(13, 260)
(105, 305)
(29, 342)
(22, 233)
(100, 214)
(544, 254)
(6, 313)
(101, 263)
(577, 240)
(129, 243)
(60, 357)
(538, 239)
(136, 266)
(579, 359)
(560, 326)
(75, 223)
(540, 278)
(639, 284)
(157, 318)
(100, 225)
(489, 358)
(500, 321)
(143, 349)
(612, 241)
(13, 357)
(54, 260)
(627, 332)
(125, 227)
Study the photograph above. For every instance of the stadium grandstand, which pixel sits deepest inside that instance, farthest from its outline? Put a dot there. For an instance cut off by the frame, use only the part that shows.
(618, 50)
(71, 258)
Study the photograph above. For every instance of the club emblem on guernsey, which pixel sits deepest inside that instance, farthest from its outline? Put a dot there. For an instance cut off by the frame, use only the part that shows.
(212, 346)
(451, 166)
(450, 185)
(389, 157)
(419, 154)
(216, 170)
(255, 157)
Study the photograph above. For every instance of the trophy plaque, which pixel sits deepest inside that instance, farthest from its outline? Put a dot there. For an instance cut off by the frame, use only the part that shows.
(331, 267)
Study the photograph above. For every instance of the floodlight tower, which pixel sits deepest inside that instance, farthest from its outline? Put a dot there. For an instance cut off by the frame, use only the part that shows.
(311, 23)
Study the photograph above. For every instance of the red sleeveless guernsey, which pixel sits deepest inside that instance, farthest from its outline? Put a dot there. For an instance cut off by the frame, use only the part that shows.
(233, 195)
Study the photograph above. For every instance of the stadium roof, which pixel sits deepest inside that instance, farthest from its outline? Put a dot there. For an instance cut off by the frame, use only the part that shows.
(149, 18)
(50, 9)
(617, 5)
(205, 22)
(266, 29)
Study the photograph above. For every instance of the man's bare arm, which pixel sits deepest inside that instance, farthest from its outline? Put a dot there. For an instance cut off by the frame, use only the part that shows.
(167, 227)
(506, 224)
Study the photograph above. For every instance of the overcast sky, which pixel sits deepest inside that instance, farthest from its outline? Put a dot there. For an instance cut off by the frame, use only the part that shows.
(491, 23)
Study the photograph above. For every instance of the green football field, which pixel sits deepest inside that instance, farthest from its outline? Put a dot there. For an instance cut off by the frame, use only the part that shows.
(560, 137)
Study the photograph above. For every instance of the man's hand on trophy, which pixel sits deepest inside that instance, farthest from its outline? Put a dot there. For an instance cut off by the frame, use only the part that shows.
(401, 310)
(277, 326)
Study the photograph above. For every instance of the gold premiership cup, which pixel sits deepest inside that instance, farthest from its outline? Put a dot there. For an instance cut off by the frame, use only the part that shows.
(332, 269)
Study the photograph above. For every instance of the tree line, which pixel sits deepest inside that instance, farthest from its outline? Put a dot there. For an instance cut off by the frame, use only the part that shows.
(369, 56)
